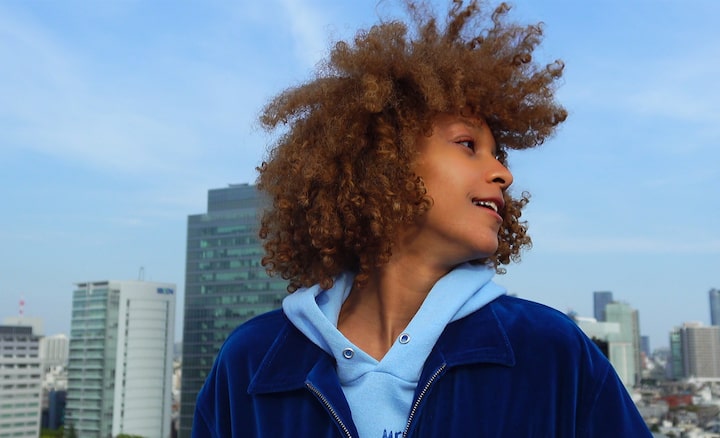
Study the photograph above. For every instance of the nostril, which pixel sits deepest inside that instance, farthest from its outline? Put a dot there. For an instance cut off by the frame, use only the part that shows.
(500, 180)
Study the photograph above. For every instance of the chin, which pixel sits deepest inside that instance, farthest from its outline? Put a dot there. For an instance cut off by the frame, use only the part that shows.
(485, 251)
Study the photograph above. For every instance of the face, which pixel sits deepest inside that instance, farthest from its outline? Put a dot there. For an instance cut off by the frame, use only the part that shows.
(459, 166)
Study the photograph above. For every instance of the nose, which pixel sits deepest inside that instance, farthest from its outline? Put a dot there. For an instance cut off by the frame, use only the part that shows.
(500, 174)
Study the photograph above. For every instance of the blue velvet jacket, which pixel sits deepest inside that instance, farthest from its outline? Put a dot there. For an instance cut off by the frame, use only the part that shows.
(512, 369)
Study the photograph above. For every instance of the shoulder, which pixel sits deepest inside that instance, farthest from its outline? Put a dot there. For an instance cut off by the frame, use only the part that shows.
(536, 329)
(239, 359)
(224, 393)
(252, 339)
(533, 319)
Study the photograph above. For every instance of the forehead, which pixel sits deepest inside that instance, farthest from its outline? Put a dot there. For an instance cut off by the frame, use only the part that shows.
(455, 124)
(472, 122)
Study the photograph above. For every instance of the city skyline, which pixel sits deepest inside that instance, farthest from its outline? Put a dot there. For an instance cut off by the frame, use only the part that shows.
(117, 118)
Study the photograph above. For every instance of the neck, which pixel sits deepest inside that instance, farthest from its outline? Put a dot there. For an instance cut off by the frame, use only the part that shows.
(374, 316)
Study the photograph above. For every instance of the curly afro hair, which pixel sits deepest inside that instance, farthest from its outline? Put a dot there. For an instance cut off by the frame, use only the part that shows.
(340, 177)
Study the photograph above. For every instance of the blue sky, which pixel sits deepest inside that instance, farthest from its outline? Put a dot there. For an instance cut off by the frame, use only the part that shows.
(116, 118)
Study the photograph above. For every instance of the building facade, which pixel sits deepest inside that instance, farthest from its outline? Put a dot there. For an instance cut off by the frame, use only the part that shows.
(53, 415)
(120, 361)
(37, 324)
(600, 300)
(595, 329)
(625, 346)
(54, 350)
(714, 296)
(225, 285)
(676, 369)
(645, 345)
(613, 339)
(21, 377)
(700, 350)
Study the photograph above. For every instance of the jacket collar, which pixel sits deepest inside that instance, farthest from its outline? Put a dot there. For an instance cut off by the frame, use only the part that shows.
(478, 338)
(293, 360)
(288, 362)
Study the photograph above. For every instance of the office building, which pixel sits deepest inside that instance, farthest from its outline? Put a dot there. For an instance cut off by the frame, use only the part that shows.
(645, 345)
(120, 362)
(37, 324)
(54, 350)
(53, 414)
(225, 285)
(21, 376)
(714, 295)
(613, 340)
(54, 390)
(625, 346)
(600, 300)
(700, 350)
(595, 329)
(676, 369)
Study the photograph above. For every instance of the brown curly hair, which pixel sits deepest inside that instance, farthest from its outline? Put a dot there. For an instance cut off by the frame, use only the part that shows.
(340, 176)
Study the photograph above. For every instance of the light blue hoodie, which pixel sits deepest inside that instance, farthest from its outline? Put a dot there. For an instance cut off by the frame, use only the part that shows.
(380, 393)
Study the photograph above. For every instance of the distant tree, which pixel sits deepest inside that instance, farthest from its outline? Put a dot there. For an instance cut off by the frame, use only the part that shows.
(49, 433)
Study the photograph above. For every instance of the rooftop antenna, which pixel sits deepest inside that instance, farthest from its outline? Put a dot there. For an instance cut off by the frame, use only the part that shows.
(141, 274)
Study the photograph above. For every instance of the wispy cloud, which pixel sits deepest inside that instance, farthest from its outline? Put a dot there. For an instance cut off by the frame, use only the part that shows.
(55, 103)
(309, 36)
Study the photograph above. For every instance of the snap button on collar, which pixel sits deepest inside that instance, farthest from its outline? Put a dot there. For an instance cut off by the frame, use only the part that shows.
(404, 338)
(348, 353)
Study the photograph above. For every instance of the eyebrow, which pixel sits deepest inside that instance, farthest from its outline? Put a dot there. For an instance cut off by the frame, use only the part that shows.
(470, 123)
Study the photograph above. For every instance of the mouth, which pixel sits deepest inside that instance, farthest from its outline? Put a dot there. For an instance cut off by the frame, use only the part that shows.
(491, 204)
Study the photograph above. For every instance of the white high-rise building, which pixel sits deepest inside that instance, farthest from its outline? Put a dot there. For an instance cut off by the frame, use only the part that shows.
(121, 359)
(21, 377)
(54, 350)
(37, 324)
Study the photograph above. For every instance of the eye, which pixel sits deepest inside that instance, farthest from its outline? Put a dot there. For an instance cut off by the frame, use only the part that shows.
(470, 144)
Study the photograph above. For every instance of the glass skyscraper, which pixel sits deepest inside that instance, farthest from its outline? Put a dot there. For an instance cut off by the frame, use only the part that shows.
(91, 365)
(676, 369)
(714, 295)
(600, 300)
(625, 345)
(225, 285)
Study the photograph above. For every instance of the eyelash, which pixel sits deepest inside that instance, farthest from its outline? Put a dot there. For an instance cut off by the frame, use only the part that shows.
(467, 143)
(470, 144)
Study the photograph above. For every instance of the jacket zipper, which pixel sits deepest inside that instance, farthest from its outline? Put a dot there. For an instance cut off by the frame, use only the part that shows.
(420, 397)
(330, 409)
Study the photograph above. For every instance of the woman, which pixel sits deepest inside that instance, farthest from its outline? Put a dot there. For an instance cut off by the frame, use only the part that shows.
(390, 214)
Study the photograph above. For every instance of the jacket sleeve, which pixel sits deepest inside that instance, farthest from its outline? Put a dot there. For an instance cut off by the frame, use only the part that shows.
(612, 413)
(200, 427)
(206, 418)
